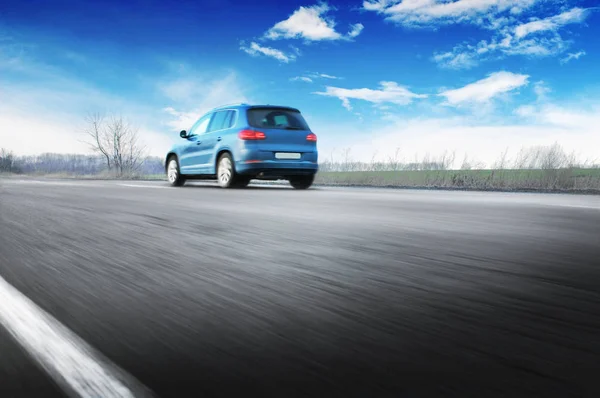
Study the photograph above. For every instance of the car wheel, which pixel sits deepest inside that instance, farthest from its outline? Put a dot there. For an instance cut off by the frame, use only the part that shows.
(226, 176)
(302, 182)
(173, 174)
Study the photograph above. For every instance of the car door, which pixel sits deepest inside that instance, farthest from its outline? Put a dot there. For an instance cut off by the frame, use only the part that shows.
(210, 139)
(189, 160)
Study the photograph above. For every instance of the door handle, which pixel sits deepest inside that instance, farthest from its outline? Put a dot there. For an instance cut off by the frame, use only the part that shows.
(219, 139)
(198, 142)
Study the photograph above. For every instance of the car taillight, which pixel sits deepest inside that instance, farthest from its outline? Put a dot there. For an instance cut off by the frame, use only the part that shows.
(311, 137)
(251, 135)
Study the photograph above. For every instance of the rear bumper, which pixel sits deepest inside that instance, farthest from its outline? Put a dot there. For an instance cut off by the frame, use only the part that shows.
(276, 168)
(258, 162)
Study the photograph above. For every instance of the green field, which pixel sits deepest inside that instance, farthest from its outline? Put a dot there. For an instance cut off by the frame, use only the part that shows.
(554, 180)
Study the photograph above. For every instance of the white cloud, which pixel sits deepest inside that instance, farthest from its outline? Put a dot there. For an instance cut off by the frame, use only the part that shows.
(574, 128)
(457, 59)
(355, 30)
(27, 135)
(377, 5)
(181, 120)
(541, 89)
(464, 56)
(310, 23)
(536, 38)
(537, 47)
(575, 15)
(572, 118)
(311, 77)
(485, 89)
(256, 49)
(325, 76)
(302, 78)
(346, 103)
(572, 56)
(390, 92)
(428, 12)
(525, 111)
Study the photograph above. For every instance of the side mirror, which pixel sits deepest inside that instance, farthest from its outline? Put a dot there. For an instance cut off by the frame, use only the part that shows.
(183, 134)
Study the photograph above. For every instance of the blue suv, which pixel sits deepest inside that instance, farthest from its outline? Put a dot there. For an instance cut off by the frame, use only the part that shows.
(235, 144)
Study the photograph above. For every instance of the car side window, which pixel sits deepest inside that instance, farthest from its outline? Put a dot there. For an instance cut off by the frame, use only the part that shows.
(201, 125)
(231, 119)
(220, 121)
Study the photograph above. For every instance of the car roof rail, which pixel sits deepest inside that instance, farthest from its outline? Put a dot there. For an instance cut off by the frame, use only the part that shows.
(233, 104)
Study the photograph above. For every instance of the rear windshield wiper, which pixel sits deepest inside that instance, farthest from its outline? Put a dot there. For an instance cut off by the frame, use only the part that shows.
(293, 128)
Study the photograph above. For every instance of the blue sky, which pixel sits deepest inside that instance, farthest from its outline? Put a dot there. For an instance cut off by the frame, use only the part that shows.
(477, 76)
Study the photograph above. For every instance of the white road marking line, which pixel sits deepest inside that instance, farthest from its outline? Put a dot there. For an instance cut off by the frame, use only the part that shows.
(143, 186)
(51, 183)
(69, 360)
(581, 206)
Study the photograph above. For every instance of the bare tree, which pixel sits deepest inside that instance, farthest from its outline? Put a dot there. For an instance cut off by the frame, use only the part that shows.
(502, 163)
(554, 157)
(526, 159)
(373, 165)
(97, 137)
(7, 159)
(551, 157)
(347, 159)
(426, 162)
(466, 163)
(117, 140)
(446, 161)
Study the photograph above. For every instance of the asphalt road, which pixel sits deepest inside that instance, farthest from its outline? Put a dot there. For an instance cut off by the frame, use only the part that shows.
(199, 291)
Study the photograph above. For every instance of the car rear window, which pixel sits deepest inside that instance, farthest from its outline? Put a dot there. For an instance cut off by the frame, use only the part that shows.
(276, 118)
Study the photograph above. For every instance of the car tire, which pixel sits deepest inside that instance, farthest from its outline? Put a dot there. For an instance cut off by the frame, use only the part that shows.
(173, 172)
(302, 182)
(226, 175)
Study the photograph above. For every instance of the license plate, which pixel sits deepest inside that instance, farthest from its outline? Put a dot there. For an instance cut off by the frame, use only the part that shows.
(287, 155)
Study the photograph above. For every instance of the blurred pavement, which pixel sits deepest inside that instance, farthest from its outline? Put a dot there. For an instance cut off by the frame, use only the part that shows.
(199, 291)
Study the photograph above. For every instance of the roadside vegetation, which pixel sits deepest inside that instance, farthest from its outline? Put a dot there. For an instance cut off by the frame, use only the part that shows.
(572, 179)
(541, 168)
(117, 153)
(75, 166)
